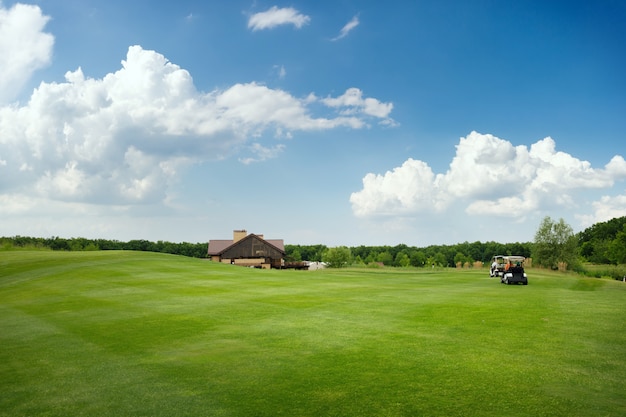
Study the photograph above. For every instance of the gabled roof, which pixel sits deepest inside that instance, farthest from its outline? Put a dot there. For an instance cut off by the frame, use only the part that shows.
(217, 247)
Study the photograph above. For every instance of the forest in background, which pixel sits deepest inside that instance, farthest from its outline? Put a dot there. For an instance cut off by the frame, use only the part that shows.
(195, 250)
(603, 244)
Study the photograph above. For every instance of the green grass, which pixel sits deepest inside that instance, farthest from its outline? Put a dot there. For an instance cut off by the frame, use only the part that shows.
(145, 334)
(604, 271)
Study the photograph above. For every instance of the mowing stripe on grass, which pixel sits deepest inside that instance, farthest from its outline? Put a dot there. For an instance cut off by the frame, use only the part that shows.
(140, 334)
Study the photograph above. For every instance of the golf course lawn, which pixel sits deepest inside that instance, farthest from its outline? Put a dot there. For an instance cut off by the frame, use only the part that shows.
(112, 333)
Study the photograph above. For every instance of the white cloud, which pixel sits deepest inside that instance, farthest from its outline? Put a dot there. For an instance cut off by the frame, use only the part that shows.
(488, 176)
(616, 167)
(353, 103)
(24, 47)
(124, 139)
(408, 189)
(607, 208)
(67, 181)
(275, 17)
(353, 23)
(12, 204)
(262, 153)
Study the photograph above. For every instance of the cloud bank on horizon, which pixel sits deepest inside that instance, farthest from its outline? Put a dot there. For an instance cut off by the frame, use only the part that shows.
(125, 138)
(489, 176)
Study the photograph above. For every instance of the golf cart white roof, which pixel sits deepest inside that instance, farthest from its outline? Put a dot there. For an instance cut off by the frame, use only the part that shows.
(512, 258)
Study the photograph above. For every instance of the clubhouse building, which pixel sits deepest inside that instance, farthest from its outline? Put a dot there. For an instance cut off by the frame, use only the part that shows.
(248, 250)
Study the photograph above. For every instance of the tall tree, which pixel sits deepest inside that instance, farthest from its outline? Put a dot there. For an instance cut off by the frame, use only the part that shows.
(337, 257)
(554, 243)
(617, 248)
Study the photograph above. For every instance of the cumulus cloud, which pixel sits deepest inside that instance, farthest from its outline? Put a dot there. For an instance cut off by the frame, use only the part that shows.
(405, 190)
(24, 47)
(489, 176)
(616, 167)
(275, 16)
(353, 23)
(124, 138)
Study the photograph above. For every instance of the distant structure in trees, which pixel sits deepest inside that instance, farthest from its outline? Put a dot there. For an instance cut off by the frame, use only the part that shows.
(248, 250)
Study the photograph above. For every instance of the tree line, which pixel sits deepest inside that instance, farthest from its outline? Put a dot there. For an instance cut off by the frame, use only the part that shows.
(554, 244)
(195, 250)
(403, 255)
(400, 255)
(605, 242)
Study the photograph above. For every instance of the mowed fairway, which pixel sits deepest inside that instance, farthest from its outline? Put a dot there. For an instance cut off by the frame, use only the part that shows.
(145, 334)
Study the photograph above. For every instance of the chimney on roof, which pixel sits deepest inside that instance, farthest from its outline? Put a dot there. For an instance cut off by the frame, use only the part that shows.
(239, 234)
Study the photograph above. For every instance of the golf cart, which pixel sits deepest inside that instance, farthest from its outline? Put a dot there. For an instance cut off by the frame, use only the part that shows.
(510, 269)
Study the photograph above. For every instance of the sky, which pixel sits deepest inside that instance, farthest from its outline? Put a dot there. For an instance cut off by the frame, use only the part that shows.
(338, 122)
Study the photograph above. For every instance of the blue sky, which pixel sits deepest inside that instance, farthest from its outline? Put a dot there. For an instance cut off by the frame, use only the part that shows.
(335, 122)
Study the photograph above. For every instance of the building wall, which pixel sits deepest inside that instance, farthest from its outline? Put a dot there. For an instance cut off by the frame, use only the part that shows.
(252, 248)
(249, 262)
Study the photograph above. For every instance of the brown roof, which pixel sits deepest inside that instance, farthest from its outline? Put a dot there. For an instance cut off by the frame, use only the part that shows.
(216, 247)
